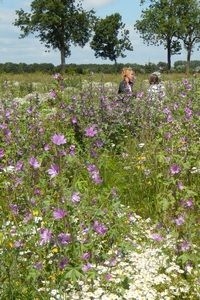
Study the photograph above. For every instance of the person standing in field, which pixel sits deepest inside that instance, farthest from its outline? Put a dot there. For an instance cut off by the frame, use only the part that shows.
(126, 85)
(156, 90)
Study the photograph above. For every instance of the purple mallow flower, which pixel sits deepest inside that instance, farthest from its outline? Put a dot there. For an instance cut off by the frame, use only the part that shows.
(175, 169)
(59, 213)
(184, 246)
(53, 170)
(156, 237)
(76, 197)
(99, 228)
(45, 236)
(58, 139)
(86, 256)
(63, 263)
(34, 163)
(64, 238)
(2, 153)
(52, 94)
(188, 112)
(94, 173)
(179, 220)
(86, 267)
(91, 131)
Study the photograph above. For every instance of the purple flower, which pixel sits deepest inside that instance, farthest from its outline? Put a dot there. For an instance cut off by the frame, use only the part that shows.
(58, 139)
(180, 185)
(167, 111)
(179, 220)
(45, 236)
(86, 267)
(76, 197)
(38, 265)
(14, 208)
(168, 135)
(53, 170)
(74, 120)
(91, 131)
(108, 277)
(175, 169)
(187, 203)
(184, 246)
(99, 228)
(53, 94)
(169, 118)
(18, 244)
(1, 153)
(19, 166)
(72, 150)
(34, 163)
(46, 147)
(63, 263)
(188, 112)
(57, 76)
(96, 177)
(59, 214)
(86, 256)
(94, 173)
(64, 238)
(156, 237)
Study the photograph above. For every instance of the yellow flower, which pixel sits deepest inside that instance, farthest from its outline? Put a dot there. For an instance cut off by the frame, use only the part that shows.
(35, 213)
(55, 250)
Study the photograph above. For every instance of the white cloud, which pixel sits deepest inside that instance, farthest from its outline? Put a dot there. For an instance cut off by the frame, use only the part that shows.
(96, 3)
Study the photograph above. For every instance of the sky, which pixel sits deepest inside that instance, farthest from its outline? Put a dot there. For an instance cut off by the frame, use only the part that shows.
(30, 50)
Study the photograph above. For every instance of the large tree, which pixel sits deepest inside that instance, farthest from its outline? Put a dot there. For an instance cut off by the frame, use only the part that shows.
(111, 38)
(189, 29)
(158, 25)
(57, 23)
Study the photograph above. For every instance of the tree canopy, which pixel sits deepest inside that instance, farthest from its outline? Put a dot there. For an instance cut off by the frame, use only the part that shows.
(168, 23)
(57, 23)
(111, 38)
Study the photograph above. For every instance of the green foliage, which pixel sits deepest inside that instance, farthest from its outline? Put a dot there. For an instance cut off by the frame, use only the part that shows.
(110, 38)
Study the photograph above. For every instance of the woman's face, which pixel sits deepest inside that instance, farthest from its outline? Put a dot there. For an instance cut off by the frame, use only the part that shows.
(131, 76)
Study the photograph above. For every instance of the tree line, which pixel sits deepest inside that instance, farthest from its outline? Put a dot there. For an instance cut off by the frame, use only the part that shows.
(59, 24)
(83, 69)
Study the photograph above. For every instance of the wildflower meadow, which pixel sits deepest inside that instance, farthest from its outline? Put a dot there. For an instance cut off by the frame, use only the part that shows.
(99, 192)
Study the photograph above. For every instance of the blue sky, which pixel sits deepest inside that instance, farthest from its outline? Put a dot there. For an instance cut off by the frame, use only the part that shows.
(30, 50)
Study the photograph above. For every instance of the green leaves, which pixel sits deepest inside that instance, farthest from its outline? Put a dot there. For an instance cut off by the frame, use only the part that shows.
(110, 39)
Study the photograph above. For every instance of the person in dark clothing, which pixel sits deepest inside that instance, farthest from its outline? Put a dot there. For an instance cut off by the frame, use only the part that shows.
(126, 85)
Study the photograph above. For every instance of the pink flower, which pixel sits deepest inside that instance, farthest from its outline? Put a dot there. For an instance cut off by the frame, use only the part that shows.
(175, 169)
(58, 214)
(52, 94)
(91, 131)
(179, 220)
(76, 197)
(64, 238)
(58, 139)
(45, 236)
(53, 170)
(156, 237)
(1, 153)
(34, 163)
(99, 228)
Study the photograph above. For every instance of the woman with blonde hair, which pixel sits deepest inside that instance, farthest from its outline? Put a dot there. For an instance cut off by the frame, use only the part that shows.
(126, 85)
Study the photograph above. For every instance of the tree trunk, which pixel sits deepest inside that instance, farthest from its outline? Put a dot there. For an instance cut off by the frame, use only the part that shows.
(62, 54)
(189, 51)
(169, 54)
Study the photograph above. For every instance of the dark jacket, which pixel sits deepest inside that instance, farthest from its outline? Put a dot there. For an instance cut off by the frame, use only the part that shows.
(124, 89)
